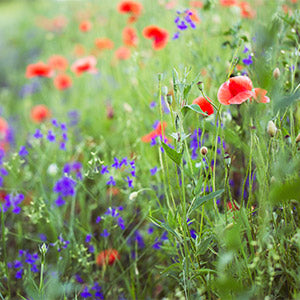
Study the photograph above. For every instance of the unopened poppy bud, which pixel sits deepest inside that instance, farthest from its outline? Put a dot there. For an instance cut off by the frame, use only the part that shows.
(169, 99)
(298, 138)
(271, 129)
(273, 179)
(127, 107)
(203, 151)
(200, 85)
(276, 73)
(227, 159)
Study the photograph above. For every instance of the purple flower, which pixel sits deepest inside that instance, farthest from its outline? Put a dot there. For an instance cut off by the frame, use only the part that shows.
(51, 136)
(65, 187)
(111, 181)
(121, 223)
(129, 181)
(85, 293)
(176, 35)
(23, 151)
(153, 171)
(104, 170)
(153, 104)
(38, 134)
(248, 61)
(157, 244)
(88, 238)
(116, 163)
(105, 233)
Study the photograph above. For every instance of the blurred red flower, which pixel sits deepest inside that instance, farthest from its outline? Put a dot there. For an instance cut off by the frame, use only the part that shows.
(104, 43)
(107, 257)
(154, 133)
(40, 113)
(246, 10)
(38, 69)
(85, 26)
(122, 53)
(132, 8)
(158, 35)
(204, 105)
(228, 2)
(130, 38)
(238, 90)
(58, 62)
(85, 64)
(62, 82)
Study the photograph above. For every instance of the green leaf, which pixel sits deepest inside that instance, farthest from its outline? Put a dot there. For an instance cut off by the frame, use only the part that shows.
(174, 155)
(165, 226)
(282, 102)
(200, 201)
(195, 108)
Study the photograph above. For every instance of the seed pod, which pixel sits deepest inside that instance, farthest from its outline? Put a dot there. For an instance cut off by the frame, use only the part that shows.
(203, 151)
(271, 129)
(276, 73)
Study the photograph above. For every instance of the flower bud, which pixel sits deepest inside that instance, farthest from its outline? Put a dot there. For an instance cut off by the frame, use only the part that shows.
(169, 99)
(203, 151)
(276, 73)
(164, 90)
(298, 138)
(133, 195)
(271, 129)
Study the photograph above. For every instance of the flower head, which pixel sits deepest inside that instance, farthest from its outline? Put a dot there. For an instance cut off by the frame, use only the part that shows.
(204, 105)
(130, 38)
(85, 64)
(58, 62)
(40, 113)
(107, 257)
(38, 69)
(158, 35)
(132, 8)
(62, 82)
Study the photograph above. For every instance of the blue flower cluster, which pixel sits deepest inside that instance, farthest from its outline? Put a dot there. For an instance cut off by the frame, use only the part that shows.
(248, 60)
(25, 258)
(3, 171)
(195, 143)
(93, 292)
(58, 134)
(60, 243)
(64, 187)
(75, 167)
(183, 21)
(12, 201)
(129, 166)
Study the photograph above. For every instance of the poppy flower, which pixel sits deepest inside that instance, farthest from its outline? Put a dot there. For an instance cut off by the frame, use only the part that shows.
(154, 133)
(228, 2)
(122, 53)
(40, 113)
(58, 62)
(38, 69)
(107, 257)
(85, 26)
(193, 16)
(62, 82)
(132, 8)
(232, 207)
(85, 64)
(158, 35)
(238, 90)
(130, 38)
(196, 4)
(104, 43)
(204, 105)
(246, 10)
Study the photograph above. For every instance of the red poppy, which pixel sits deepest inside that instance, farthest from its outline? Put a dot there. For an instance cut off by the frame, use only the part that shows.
(85, 64)
(40, 113)
(228, 2)
(122, 53)
(4, 132)
(132, 8)
(107, 257)
(196, 4)
(158, 35)
(62, 82)
(246, 10)
(154, 133)
(194, 17)
(38, 69)
(204, 105)
(85, 26)
(130, 38)
(104, 43)
(232, 207)
(58, 62)
(238, 90)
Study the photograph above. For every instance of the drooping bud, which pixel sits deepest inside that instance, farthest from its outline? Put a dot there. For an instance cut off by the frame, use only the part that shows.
(203, 151)
(276, 73)
(298, 138)
(169, 99)
(271, 129)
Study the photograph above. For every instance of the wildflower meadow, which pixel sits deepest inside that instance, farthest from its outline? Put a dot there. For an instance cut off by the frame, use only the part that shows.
(149, 149)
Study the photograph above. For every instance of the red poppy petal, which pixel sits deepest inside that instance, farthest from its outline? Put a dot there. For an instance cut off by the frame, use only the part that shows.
(240, 84)
(224, 94)
(241, 97)
(260, 95)
(148, 137)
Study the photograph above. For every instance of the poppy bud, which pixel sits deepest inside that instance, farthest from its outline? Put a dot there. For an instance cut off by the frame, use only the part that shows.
(276, 73)
(164, 90)
(169, 99)
(200, 85)
(133, 195)
(298, 138)
(271, 129)
(203, 151)
(227, 159)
